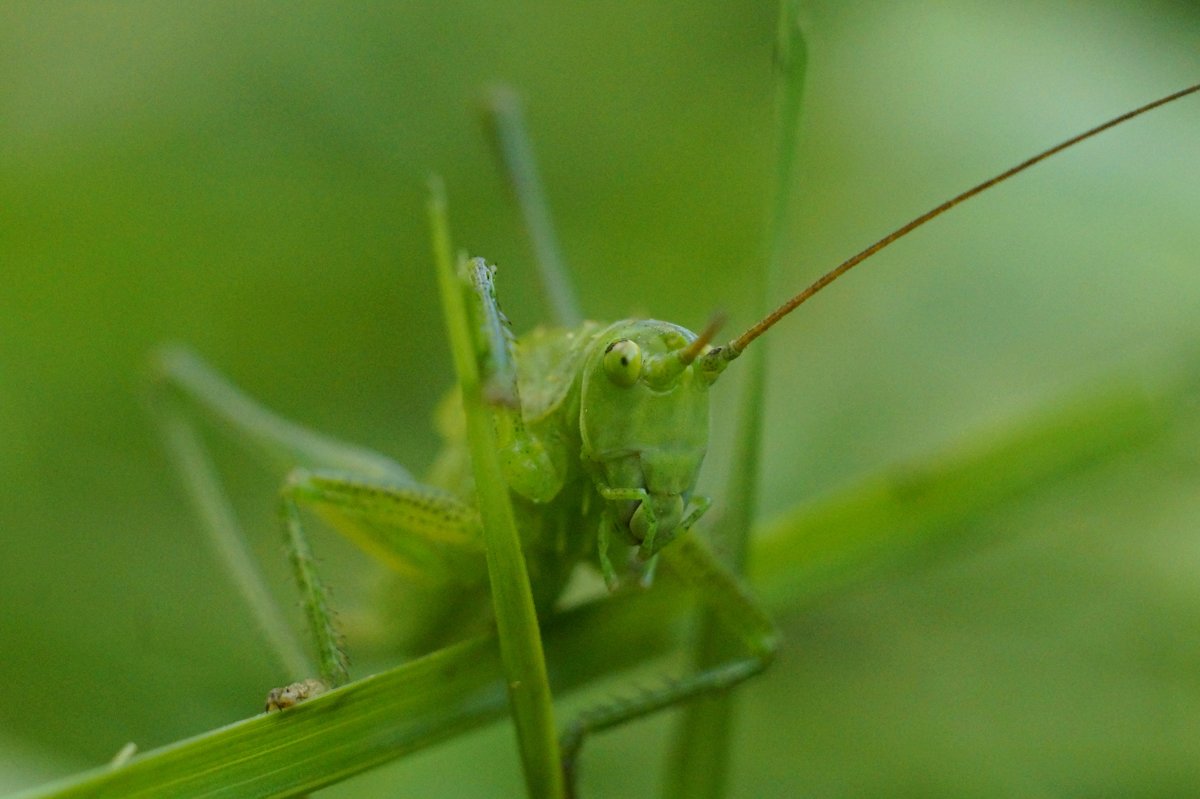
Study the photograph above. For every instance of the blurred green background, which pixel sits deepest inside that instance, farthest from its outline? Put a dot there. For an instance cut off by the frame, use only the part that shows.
(249, 179)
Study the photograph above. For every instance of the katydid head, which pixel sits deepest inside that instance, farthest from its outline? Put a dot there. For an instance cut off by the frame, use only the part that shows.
(643, 423)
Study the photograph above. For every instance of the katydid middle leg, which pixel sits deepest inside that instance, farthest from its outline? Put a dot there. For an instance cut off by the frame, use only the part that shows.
(411, 527)
(692, 562)
(415, 529)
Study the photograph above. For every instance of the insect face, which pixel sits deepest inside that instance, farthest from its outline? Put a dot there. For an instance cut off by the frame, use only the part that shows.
(643, 423)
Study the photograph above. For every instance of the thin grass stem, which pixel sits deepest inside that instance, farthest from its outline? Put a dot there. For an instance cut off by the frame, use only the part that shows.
(512, 600)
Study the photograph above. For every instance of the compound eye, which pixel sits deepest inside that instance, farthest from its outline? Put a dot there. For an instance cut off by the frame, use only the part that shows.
(623, 362)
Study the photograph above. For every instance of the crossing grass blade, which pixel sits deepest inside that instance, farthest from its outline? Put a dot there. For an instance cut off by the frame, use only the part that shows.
(512, 599)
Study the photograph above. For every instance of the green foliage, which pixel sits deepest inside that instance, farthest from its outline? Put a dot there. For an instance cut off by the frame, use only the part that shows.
(253, 183)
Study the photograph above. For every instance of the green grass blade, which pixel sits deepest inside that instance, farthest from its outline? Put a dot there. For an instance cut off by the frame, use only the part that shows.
(705, 727)
(316, 743)
(898, 519)
(506, 121)
(383, 717)
(919, 509)
(512, 600)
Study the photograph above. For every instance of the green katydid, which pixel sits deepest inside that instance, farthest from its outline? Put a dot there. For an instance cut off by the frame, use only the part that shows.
(603, 430)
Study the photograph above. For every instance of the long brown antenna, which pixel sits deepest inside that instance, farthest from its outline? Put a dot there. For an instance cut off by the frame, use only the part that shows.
(689, 353)
(735, 347)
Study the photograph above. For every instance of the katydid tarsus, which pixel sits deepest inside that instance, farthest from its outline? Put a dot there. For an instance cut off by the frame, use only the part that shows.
(603, 429)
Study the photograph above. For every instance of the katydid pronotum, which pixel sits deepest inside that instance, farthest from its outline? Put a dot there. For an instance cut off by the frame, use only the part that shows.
(605, 428)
